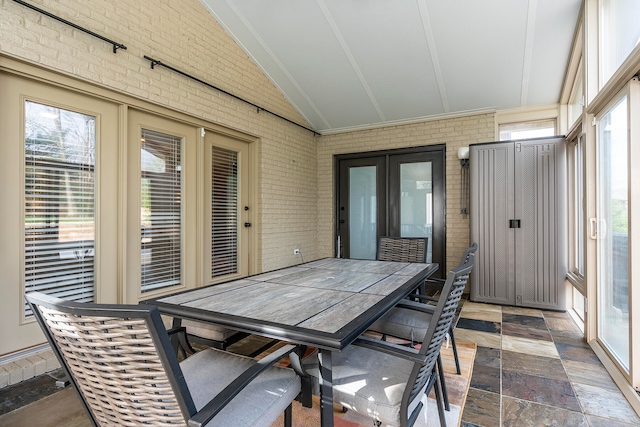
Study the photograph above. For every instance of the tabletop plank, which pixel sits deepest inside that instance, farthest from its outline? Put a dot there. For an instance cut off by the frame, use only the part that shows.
(336, 317)
(351, 281)
(201, 293)
(365, 266)
(271, 302)
(278, 273)
(386, 285)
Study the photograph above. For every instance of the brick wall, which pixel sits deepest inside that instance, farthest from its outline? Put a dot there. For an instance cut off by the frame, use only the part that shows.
(454, 132)
(184, 35)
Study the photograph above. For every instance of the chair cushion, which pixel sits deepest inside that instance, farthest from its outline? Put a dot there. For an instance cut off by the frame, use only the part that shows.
(404, 323)
(208, 330)
(259, 404)
(368, 382)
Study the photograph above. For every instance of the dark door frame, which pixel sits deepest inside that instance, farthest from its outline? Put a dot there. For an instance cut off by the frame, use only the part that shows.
(439, 192)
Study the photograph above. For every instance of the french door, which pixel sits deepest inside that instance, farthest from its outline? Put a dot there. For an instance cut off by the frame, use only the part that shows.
(58, 227)
(227, 215)
(617, 178)
(395, 193)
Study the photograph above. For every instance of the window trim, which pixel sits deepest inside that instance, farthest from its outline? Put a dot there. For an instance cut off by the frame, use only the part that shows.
(574, 275)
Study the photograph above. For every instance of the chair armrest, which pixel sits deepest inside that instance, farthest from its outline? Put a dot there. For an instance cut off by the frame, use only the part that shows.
(403, 352)
(223, 398)
(296, 361)
(422, 297)
(183, 342)
(423, 308)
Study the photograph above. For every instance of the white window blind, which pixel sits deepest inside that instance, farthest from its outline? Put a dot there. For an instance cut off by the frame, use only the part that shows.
(59, 215)
(224, 212)
(161, 216)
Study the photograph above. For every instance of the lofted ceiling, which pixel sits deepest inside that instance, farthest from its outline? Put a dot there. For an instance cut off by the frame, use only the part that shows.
(348, 64)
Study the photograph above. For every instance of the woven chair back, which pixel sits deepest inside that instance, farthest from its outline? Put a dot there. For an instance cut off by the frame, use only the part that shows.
(118, 361)
(402, 249)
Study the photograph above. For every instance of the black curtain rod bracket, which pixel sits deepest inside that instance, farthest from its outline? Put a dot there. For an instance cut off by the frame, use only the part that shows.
(155, 62)
(115, 45)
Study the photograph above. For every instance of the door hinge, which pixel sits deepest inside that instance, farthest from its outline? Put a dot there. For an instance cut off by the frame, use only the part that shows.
(519, 299)
(202, 132)
(593, 122)
(518, 147)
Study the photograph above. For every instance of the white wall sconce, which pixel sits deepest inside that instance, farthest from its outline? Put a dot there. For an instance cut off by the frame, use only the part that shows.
(463, 156)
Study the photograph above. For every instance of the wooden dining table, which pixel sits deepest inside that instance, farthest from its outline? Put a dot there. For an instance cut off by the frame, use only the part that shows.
(326, 304)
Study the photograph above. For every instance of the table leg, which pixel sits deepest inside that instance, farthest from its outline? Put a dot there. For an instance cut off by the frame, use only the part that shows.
(326, 388)
(177, 322)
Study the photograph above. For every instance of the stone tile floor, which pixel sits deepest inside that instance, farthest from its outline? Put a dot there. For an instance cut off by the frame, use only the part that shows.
(533, 368)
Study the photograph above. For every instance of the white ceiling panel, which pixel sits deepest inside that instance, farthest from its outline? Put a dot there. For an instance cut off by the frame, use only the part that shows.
(486, 69)
(352, 63)
(549, 59)
(400, 75)
(303, 42)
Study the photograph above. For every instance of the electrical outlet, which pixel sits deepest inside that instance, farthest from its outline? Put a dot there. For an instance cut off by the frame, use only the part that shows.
(296, 251)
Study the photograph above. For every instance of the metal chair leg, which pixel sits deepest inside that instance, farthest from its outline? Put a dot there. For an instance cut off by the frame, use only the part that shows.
(288, 415)
(439, 398)
(443, 384)
(455, 350)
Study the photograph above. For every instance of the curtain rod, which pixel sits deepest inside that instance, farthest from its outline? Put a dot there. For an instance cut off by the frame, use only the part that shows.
(155, 62)
(115, 45)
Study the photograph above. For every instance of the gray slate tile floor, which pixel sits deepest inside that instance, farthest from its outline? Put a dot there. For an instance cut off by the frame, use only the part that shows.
(533, 368)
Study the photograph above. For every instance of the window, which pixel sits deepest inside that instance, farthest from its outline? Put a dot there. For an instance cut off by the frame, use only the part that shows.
(576, 100)
(576, 224)
(620, 34)
(613, 231)
(160, 210)
(224, 212)
(59, 215)
(577, 218)
(537, 129)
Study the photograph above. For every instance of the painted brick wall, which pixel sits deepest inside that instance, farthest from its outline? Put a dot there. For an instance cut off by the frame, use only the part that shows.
(454, 132)
(184, 35)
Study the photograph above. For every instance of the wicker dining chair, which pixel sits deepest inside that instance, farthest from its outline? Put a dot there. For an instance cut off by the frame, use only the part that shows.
(402, 249)
(121, 363)
(390, 382)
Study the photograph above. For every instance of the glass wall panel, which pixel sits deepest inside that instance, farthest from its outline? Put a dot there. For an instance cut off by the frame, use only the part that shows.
(224, 212)
(416, 201)
(620, 34)
(525, 130)
(578, 203)
(59, 211)
(362, 212)
(161, 210)
(613, 232)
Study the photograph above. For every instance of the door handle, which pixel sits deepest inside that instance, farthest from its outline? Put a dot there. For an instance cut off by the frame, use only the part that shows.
(247, 224)
(593, 228)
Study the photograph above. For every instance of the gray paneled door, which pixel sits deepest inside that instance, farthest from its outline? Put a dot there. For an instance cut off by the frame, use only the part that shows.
(518, 220)
(492, 207)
